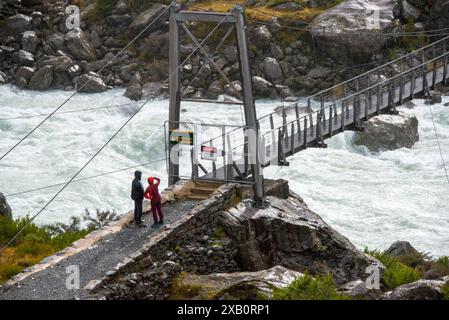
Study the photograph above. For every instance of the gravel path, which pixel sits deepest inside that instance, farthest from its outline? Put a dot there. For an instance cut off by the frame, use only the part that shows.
(49, 284)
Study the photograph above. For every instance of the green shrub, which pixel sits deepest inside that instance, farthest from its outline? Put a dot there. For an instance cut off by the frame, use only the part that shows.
(309, 288)
(8, 272)
(445, 291)
(396, 273)
(104, 7)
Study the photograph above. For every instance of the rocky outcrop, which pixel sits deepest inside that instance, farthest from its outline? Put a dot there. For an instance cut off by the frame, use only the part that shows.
(289, 234)
(438, 15)
(419, 290)
(388, 132)
(401, 248)
(5, 209)
(348, 29)
(234, 286)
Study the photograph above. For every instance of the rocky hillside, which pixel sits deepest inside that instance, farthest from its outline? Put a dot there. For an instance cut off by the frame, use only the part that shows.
(296, 47)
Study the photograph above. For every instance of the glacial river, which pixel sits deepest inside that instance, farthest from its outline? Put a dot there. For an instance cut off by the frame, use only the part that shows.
(373, 199)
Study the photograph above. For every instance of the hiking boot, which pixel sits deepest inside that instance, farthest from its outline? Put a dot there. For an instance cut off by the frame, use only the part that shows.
(142, 225)
(155, 225)
(161, 222)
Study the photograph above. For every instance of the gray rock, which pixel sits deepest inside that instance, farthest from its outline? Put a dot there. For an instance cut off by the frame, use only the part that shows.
(388, 132)
(289, 234)
(289, 6)
(276, 52)
(240, 285)
(57, 41)
(21, 82)
(119, 20)
(408, 11)
(23, 58)
(17, 24)
(42, 79)
(401, 248)
(262, 37)
(148, 16)
(152, 90)
(79, 46)
(30, 41)
(419, 290)
(127, 72)
(235, 89)
(5, 209)
(356, 288)
(59, 63)
(91, 83)
(438, 15)
(121, 7)
(95, 39)
(134, 92)
(97, 65)
(3, 78)
(24, 72)
(231, 54)
(272, 69)
(214, 90)
(434, 98)
(262, 87)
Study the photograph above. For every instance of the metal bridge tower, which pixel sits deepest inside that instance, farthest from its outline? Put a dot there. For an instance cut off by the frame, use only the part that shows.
(178, 18)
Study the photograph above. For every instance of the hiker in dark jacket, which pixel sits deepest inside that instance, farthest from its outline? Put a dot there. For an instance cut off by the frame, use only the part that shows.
(137, 192)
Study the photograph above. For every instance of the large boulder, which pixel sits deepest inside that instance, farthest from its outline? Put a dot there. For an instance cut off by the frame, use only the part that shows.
(17, 24)
(5, 209)
(79, 46)
(419, 290)
(30, 41)
(24, 72)
(262, 37)
(289, 234)
(147, 17)
(134, 92)
(353, 28)
(23, 58)
(238, 285)
(272, 69)
(388, 132)
(401, 248)
(42, 79)
(91, 83)
(262, 87)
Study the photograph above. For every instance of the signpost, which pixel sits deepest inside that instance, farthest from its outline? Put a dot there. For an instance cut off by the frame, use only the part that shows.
(181, 137)
(209, 153)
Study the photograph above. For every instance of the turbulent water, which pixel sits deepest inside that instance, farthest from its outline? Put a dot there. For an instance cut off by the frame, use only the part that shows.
(373, 199)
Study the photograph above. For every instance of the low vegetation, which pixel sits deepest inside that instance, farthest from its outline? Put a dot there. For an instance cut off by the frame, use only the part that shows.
(310, 288)
(410, 268)
(37, 242)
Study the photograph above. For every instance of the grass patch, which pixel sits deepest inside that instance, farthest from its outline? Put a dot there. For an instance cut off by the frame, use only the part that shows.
(310, 288)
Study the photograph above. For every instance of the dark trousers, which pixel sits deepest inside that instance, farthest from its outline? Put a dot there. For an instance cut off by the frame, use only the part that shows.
(156, 209)
(138, 211)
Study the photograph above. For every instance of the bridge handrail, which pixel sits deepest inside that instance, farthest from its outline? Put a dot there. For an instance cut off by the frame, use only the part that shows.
(318, 94)
(374, 86)
(433, 44)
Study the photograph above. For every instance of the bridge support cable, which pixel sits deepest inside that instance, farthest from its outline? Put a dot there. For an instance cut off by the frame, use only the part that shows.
(85, 84)
(439, 145)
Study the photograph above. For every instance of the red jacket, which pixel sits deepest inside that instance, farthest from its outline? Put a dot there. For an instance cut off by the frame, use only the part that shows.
(152, 191)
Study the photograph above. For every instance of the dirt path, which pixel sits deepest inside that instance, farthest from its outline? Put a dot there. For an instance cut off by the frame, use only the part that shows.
(93, 263)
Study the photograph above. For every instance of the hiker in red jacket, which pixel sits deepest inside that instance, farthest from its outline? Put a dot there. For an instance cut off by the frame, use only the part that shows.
(152, 193)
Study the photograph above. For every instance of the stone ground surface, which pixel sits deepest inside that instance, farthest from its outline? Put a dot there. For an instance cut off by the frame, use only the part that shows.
(50, 284)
